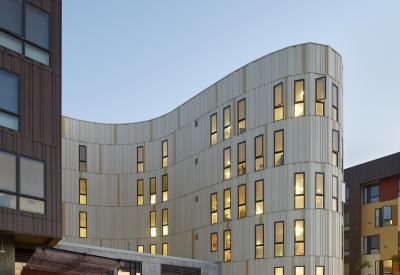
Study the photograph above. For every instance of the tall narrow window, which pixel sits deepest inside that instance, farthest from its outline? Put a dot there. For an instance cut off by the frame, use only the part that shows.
(371, 193)
(334, 193)
(259, 241)
(153, 229)
(227, 204)
(278, 102)
(165, 187)
(259, 153)
(242, 158)
(319, 190)
(9, 97)
(242, 200)
(227, 245)
(320, 94)
(299, 98)
(335, 102)
(214, 242)
(165, 222)
(82, 224)
(165, 249)
(346, 223)
(278, 271)
(347, 195)
(165, 153)
(153, 190)
(82, 191)
(335, 147)
(346, 243)
(213, 130)
(140, 192)
(371, 244)
(241, 116)
(299, 190)
(278, 239)
(384, 267)
(299, 270)
(227, 163)
(278, 146)
(140, 248)
(153, 249)
(299, 237)
(82, 158)
(214, 213)
(259, 197)
(383, 216)
(319, 270)
(140, 166)
(227, 122)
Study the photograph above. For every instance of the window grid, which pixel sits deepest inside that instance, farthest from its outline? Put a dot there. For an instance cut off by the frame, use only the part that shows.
(9, 100)
(153, 190)
(213, 129)
(165, 221)
(319, 190)
(227, 245)
(259, 241)
(227, 163)
(320, 95)
(227, 204)
(335, 148)
(140, 163)
(82, 224)
(242, 158)
(153, 229)
(299, 190)
(214, 242)
(334, 193)
(278, 102)
(242, 201)
(259, 195)
(140, 192)
(82, 158)
(165, 153)
(299, 237)
(227, 122)
(259, 152)
(241, 116)
(278, 148)
(371, 244)
(82, 191)
(299, 97)
(279, 239)
(165, 187)
(371, 193)
(335, 102)
(214, 213)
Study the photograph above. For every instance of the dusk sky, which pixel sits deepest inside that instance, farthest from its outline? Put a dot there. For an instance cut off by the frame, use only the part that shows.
(148, 57)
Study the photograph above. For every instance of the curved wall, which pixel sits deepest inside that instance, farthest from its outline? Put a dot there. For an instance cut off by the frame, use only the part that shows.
(114, 219)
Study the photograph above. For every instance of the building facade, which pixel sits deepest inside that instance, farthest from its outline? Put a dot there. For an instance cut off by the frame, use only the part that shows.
(248, 172)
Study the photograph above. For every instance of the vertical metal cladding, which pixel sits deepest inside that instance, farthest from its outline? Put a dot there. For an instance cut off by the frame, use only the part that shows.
(115, 219)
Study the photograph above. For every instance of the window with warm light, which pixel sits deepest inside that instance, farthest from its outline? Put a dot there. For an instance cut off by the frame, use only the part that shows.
(241, 116)
(299, 270)
(319, 270)
(153, 229)
(140, 165)
(213, 129)
(82, 158)
(214, 213)
(153, 249)
(227, 122)
(299, 98)
(164, 187)
(346, 244)
(227, 163)
(140, 192)
(335, 147)
(227, 245)
(384, 267)
(165, 249)
(278, 102)
(259, 153)
(242, 158)
(242, 200)
(227, 204)
(383, 216)
(334, 193)
(299, 237)
(82, 224)
(82, 191)
(165, 222)
(319, 190)
(153, 190)
(299, 190)
(278, 148)
(259, 197)
(165, 153)
(320, 94)
(335, 104)
(214, 242)
(278, 271)
(140, 248)
(259, 241)
(278, 239)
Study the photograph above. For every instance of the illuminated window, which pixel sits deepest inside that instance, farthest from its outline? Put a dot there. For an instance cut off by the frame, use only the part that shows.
(346, 243)
(227, 204)
(319, 270)
(371, 244)
(319, 190)
(214, 242)
(299, 237)
(227, 245)
(165, 249)
(82, 158)
(82, 191)
(241, 116)
(153, 249)
(165, 153)
(213, 130)
(153, 190)
(279, 239)
(371, 193)
(335, 147)
(259, 197)
(320, 94)
(242, 158)
(214, 214)
(278, 271)
(227, 122)
(299, 190)
(299, 270)
(82, 224)
(140, 248)
(259, 241)
(383, 216)
(165, 222)
(384, 267)
(335, 102)
(242, 200)
(278, 102)
(278, 145)
(299, 98)
(334, 193)
(140, 166)
(9, 97)
(259, 153)
(165, 187)
(140, 192)
(153, 229)
(227, 163)
(346, 223)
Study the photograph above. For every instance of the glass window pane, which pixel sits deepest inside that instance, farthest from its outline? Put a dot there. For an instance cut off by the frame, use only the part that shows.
(278, 270)
(37, 54)
(213, 123)
(387, 267)
(334, 114)
(259, 234)
(319, 202)
(242, 194)
(279, 232)
(165, 249)
(10, 42)
(11, 15)
(227, 173)
(278, 141)
(321, 88)
(140, 248)
(242, 127)
(82, 219)
(278, 95)
(140, 187)
(319, 270)
(299, 184)
(387, 213)
(165, 195)
(299, 202)
(214, 202)
(32, 177)
(227, 157)
(140, 167)
(82, 232)
(278, 159)
(227, 239)
(374, 191)
(334, 95)
(299, 270)
(299, 249)
(227, 116)
(335, 141)
(9, 121)
(278, 250)
(260, 252)
(299, 91)
(319, 109)
(7, 172)
(278, 112)
(334, 204)
(165, 148)
(227, 215)
(82, 186)
(9, 92)
(242, 152)
(153, 249)
(214, 138)
(259, 163)
(227, 132)
(299, 109)
(214, 242)
(227, 256)
(165, 162)
(165, 182)
(140, 154)
(242, 110)
(152, 218)
(259, 190)
(8, 201)
(165, 216)
(259, 146)
(299, 230)
(153, 185)
(259, 207)
(82, 153)
(140, 200)
(334, 186)
(227, 198)
(37, 26)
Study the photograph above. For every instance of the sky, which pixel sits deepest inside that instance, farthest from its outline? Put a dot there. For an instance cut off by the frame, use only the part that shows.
(134, 60)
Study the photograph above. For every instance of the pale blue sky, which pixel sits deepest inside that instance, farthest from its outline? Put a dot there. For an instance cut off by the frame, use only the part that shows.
(128, 61)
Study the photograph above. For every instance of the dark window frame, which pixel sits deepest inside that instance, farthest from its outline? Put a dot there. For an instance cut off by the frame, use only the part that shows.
(335, 154)
(380, 220)
(18, 115)
(346, 246)
(240, 205)
(323, 190)
(283, 239)
(304, 269)
(163, 211)
(243, 143)
(155, 190)
(155, 249)
(155, 223)
(230, 244)
(335, 199)
(347, 194)
(211, 236)
(303, 241)
(336, 108)
(279, 151)
(262, 197)
(304, 94)
(137, 158)
(82, 194)
(346, 221)
(323, 269)
(238, 116)
(367, 198)
(162, 153)
(137, 248)
(255, 241)
(283, 269)
(80, 226)
(211, 129)
(257, 157)
(368, 241)
(276, 107)
(379, 266)
(230, 204)
(81, 160)
(163, 249)
(216, 207)
(319, 101)
(299, 195)
(230, 163)
(230, 123)
(165, 176)
(140, 194)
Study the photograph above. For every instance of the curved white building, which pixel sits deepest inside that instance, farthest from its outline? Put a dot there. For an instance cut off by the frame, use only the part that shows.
(248, 172)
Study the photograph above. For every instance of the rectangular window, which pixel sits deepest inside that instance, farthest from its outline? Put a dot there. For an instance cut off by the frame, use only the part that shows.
(334, 193)
(259, 241)
(164, 187)
(335, 147)
(241, 116)
(319, 190)
(299, 97)
(371, 244)
(214, 242)
(9, 98)
(153, 229)
(165, 222)
(82, 191)
(242, 200)
(82, 224)
(259, 197)
(227, 163)
(299, 237)
(346, 243)
(140, 192)
(165, 153)
(371, 193)
(213, 130)
(278, 271)
(299, 190)
(278, 239)
(153, 249)
(259, 152)
(384, 267)
(82, 158)
(153, 190)
(278, 102)
(242, 158)
(319, 270)
(214, 213)
(227, 204)
(278, 148)
(227, 245)
(227, 122)
(140, 248)
(346, 267)
(346, 218)
(347, 195)
(140, 165)
(335, 102)
(299, 270)
(383, 216)
(320, 94)
(165, 249)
